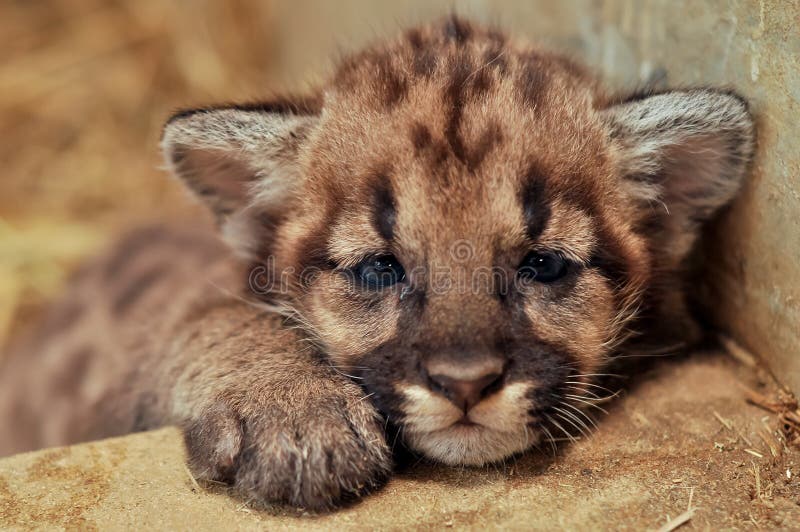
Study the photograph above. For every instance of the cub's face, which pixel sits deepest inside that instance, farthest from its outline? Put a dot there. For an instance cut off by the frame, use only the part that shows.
(476, 255)
(467, 228)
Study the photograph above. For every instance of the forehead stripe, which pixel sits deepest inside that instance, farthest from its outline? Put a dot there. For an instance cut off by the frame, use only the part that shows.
(535, 210)
(384, 211)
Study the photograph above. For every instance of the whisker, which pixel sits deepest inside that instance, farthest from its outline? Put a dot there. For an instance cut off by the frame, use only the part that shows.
(342, 373)
(591, 396)
(656, 350)
(590, 384)
(577, 423)
(567, 420)
(397, 435)
(582, 413)
(616, 375)
(366, 396)
(587, 403)
(550, 439)
(590, 393)
(565, 431)
(608, 398)
(653, 355)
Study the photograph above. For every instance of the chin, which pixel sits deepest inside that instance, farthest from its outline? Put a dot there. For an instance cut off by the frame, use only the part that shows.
(471, 445)
(498, 427)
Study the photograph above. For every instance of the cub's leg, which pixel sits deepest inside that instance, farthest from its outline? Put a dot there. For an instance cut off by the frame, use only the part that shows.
(261, 411)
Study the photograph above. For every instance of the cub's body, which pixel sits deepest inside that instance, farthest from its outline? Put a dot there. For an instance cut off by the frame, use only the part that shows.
(76, 376)
(450, 238)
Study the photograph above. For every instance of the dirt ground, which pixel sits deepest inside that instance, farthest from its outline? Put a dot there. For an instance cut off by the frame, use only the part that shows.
(680, 437)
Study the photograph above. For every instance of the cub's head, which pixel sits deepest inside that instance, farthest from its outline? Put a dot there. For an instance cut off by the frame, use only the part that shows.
(468, 227)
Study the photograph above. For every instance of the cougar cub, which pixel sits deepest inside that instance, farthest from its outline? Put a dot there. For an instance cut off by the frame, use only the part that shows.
(450, 237)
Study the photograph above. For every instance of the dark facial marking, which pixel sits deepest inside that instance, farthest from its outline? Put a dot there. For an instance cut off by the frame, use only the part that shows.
(423, 62)
(314, 256)
(467, 83)
(488, 140)
(609, 259)
(535, 210)
(494, 59)
(481, 82)
(457, 30)
(532, 80)
(312, 253)
(425, 145)
(420, 137)
(610, 267)
(414, 37)
(526, 357)
(385, 81)
(455, 98)
(391, 85)
(384, 211)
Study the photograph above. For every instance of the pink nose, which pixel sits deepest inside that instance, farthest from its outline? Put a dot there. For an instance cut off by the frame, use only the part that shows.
(465, 393)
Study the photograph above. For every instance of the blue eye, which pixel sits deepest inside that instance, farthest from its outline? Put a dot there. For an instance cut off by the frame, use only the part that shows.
(380, 272)
(542, 267)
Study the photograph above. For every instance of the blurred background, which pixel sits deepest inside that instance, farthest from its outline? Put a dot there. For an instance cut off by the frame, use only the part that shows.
(86, 85)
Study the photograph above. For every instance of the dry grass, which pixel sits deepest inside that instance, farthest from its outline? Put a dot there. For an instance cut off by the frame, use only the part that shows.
(84, 89)
(783, 402)
(785, 406)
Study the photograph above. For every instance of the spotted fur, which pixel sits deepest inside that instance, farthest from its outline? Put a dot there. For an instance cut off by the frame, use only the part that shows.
(458, 152)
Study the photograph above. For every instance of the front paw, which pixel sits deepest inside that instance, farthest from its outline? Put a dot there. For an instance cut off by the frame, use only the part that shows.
(314, 450)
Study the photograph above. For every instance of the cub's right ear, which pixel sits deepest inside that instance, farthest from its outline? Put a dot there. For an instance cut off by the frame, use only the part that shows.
(687, 150)
(241, 161)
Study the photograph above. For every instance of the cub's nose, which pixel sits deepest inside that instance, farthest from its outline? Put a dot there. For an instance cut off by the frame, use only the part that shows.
(465, 385)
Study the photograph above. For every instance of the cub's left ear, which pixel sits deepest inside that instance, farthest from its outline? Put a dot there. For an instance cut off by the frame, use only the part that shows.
(688, 150)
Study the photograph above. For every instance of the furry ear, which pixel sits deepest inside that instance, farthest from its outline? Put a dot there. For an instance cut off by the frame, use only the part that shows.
(686, 151)
(682, 155)
(242, 162)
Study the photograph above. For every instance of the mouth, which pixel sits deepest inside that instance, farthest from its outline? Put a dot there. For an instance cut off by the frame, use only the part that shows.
(465, 421)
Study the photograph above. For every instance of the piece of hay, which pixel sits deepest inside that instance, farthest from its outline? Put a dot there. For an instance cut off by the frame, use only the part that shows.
(754, 453)
(774, 447)
(196, 487)
(725, 422)
(757, 477)
(728, 424)
(679, 521)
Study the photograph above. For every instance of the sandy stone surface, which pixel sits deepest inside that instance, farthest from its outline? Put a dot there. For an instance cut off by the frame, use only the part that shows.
(682, 434)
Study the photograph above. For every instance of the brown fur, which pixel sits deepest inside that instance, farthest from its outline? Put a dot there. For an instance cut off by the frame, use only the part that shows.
(458, 153)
